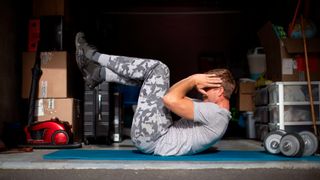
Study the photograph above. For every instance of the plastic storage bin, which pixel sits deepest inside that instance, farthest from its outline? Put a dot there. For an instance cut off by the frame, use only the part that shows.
(292, 91)
(261, 97)
(261, 131)
(292, 113)
(261, 114)
(292, 128)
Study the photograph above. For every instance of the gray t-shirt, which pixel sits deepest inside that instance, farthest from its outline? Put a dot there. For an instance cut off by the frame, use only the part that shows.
(186, 137)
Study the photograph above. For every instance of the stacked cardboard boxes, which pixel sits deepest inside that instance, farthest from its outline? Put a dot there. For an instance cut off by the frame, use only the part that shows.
(55, 89)
(58, 82)
(245, 96)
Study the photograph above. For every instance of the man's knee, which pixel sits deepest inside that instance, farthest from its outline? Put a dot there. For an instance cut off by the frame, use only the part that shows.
(163, 69)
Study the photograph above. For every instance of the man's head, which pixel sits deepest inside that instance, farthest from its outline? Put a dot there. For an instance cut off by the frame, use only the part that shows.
(228, 82)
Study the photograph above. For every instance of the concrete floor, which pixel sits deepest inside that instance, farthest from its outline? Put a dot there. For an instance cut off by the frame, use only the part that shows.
(30, 165)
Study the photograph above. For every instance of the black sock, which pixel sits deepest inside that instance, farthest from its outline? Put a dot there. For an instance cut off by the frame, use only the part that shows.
(103, 73)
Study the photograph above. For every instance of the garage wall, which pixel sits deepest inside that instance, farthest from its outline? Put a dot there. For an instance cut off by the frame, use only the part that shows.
(11, 43)
(178, 37)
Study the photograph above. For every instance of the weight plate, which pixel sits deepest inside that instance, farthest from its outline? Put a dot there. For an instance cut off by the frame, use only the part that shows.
(292, 145)
(271, 142)
(310, 143)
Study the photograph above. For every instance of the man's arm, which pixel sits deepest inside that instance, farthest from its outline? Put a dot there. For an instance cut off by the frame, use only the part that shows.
(176, 99)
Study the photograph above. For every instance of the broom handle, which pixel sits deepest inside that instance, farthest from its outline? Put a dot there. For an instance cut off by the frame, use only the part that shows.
(308, 78)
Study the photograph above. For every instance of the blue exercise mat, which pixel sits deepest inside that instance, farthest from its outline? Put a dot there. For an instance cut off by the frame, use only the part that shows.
(134, 155)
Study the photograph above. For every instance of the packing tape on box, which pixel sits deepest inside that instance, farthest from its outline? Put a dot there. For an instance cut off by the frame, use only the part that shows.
(43, 89)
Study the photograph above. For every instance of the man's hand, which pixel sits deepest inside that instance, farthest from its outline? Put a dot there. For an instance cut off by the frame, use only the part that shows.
(206, 81)
(176, 99)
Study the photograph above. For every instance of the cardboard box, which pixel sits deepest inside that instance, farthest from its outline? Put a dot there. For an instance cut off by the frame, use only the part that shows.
(281, 53)
(247, 87)
(55, 81)
(66, 109)
(48, 7)
(245, 96)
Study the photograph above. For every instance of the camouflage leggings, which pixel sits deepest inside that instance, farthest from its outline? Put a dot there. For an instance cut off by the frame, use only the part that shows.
(151, 119)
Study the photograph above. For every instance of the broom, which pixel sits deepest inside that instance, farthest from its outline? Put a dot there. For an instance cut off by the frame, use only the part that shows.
(314, 120)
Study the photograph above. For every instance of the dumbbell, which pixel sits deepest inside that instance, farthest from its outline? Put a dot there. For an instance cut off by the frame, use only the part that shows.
(292, 145)
(311, 143)
(300, 144)
(271, 141)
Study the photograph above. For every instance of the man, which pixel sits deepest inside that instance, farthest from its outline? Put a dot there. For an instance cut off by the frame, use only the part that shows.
(202, 123)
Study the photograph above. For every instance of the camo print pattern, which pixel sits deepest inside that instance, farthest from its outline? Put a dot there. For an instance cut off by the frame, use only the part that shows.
(151, 119)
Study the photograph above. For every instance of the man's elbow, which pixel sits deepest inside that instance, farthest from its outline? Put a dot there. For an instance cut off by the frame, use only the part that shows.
(169, 101)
